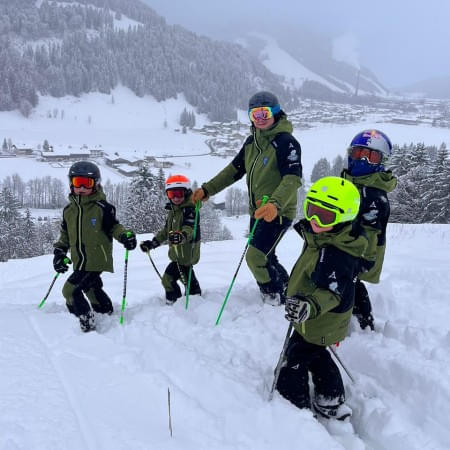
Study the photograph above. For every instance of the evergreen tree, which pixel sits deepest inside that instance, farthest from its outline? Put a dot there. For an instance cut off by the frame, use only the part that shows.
(338, 165)
(437, 198)
(142, 210)
(321, 169)
(5, 146)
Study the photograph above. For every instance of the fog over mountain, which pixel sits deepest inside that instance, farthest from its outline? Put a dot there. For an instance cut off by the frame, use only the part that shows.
(402, 42)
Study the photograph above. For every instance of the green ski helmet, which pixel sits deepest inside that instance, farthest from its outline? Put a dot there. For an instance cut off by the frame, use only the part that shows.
(332, 200)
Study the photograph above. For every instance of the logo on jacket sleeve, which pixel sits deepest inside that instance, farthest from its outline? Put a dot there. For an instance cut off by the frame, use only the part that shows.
(265, 161)
(93, 221)
(293, 156)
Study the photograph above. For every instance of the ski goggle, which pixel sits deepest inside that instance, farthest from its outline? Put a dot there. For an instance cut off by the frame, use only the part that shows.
(86, 182)
(263, 112)
(371, 156)
(175, 193)
(324, 215)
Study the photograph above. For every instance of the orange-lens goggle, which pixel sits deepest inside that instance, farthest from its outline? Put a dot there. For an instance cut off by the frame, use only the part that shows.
(175, 193)
(86, 182)
(372, 156)
(324, 217)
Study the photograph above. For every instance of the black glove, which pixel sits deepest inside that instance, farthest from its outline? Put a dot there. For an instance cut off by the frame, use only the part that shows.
(176, 237)
(298, 309)
(60, 260)
(128, 239)
(146, 246)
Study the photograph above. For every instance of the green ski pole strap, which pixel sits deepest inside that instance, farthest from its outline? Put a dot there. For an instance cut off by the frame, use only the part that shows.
(194, 235)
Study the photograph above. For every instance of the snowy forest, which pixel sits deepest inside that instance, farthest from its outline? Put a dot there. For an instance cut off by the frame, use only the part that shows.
(140, 206)
(422, 196)
(75, 47)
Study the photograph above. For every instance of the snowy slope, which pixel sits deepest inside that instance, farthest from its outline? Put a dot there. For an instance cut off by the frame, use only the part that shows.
(282, 63)
(61, 389)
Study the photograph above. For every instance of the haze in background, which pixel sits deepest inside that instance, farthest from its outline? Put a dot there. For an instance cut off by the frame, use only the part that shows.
(401, 41)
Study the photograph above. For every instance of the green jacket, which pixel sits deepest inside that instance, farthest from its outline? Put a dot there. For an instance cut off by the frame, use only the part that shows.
(271, 159)
(325, 274)
(182, 218)
(87, 228)
(373, 216)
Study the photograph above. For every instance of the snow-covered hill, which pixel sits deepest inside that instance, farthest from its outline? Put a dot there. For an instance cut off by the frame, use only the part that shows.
(305, 61)
(61, 389)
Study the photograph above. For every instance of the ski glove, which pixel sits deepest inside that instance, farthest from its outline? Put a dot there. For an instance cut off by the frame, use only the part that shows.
(60, 260)
(128, 239)
(199, 194)
(267, 212)
(146, 246)
(298, 309)
(177, 237)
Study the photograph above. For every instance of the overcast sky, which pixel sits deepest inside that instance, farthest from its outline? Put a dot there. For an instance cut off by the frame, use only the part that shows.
(401, 41)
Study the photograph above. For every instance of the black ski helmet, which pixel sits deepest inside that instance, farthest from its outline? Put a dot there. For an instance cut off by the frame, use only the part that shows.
(84, 169)
(263, 98)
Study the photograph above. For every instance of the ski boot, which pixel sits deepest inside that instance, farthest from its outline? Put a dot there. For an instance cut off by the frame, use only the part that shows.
(87, 322)
(337, 411)
(366, 321)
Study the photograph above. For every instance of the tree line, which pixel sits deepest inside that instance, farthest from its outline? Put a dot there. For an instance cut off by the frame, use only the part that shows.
(82, 51)
(140, 206)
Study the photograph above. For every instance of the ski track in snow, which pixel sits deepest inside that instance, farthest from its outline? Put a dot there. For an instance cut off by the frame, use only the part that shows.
(63, 389)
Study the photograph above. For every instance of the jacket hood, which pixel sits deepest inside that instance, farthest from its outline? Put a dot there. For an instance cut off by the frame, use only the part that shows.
(385, 181)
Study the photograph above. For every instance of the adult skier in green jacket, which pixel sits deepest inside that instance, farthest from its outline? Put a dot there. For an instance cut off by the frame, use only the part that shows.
(89, 223)
(184, 252)
(367, 155)
(320, 296)
(271, 160)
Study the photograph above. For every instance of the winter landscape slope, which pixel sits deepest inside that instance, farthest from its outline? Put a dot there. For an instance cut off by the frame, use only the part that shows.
(61, 389)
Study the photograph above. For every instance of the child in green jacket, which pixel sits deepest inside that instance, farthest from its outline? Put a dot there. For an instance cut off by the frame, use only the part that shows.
(88, 226)
(367, 155)
(184, 252)
(320, 296)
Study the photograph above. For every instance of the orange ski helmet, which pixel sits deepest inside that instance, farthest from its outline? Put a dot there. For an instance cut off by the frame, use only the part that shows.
(178, 182)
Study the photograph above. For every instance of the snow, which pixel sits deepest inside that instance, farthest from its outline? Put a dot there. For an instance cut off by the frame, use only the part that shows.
(282, 63)
(62, 389)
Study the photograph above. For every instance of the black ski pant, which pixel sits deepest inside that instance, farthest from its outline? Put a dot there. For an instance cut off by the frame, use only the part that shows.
(303, 358)
(270, 275)
(89, 283)
(172, 274)
(362, 305)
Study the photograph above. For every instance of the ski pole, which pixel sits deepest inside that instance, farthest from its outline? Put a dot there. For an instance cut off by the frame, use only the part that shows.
(153, 264)
(280, 362)
(342, 364)
(250, 237)
(124, 296)
(194, 235)
(57, 274)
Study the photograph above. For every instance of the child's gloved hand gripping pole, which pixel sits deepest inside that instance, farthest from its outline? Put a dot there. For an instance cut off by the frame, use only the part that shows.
(57, 274)
(250, 237)
(124, 296)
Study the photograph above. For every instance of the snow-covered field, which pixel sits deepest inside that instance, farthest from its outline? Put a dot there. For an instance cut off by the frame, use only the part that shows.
(62, 389)
(133, 126)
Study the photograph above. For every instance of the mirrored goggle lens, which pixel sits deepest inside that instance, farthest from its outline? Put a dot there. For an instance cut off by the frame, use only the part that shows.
(260, 113)
(175, 193)
(372, 156)
(325, 216)
(83, 181)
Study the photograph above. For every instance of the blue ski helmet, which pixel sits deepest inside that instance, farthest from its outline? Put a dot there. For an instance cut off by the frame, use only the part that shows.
(373, 140)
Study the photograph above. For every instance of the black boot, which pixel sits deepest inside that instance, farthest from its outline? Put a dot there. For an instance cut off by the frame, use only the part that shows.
(87, 322)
